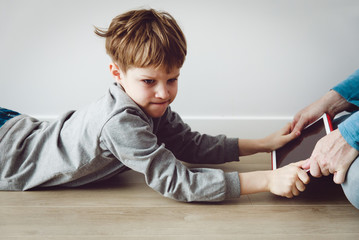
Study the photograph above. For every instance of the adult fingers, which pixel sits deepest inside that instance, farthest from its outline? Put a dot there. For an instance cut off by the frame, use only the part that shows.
(323, 165)
(286, 128)
(287, 132)
(290, 136)
(298, 127)
(300, 124)
(339, 176)
(295, 121)
(315, 169)
(325, 171)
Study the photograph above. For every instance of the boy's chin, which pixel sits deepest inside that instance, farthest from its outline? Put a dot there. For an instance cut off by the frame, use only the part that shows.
(156, 111)
(156, 114)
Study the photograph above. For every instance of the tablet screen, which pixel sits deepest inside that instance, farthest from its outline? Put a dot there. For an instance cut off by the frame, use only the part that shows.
(302, 147)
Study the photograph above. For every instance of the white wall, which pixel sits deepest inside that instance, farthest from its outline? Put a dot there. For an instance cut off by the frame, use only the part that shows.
(247, 59)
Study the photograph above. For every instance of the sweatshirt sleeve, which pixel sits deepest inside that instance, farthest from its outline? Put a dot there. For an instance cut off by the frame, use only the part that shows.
(350, 130)
(349, 89)
(129, 137)
(194, 147)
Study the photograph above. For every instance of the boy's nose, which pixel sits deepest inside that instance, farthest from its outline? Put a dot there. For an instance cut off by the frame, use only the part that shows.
(162, 92)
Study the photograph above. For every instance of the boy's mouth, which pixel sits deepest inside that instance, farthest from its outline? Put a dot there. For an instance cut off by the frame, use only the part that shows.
(161, 103)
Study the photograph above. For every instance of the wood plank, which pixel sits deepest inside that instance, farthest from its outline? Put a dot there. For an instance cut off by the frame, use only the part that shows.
(125, 208)
(196, 220)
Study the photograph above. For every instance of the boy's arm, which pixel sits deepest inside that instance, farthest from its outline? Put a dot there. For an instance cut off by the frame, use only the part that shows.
(129, 137)
(267, 144)
(194, 147)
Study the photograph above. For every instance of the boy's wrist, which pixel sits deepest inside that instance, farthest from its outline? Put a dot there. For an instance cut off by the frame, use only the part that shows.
(252, 146)
(267, 176)
(255, 182)
(263, 145)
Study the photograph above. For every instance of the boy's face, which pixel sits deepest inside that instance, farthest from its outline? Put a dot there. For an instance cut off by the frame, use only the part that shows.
(152, 89)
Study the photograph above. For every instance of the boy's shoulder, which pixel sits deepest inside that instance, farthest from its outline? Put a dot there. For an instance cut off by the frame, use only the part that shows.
(119, 104)
(120, 101)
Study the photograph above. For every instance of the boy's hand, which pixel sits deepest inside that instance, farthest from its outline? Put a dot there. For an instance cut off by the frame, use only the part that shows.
(288, 181)
(279, 138)
(267, 144)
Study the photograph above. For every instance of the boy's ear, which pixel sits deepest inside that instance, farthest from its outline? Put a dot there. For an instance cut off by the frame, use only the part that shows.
(115, 71)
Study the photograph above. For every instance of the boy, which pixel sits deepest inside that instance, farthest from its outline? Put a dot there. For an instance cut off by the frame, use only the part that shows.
(133, 127)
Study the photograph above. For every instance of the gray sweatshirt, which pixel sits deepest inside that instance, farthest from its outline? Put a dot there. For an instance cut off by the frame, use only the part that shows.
(108, 137)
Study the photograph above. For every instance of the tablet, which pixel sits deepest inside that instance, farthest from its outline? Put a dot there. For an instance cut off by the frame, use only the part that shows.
(302, 147)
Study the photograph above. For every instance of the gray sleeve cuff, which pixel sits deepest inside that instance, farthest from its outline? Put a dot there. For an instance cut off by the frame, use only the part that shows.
(233, 185)
(232, 151)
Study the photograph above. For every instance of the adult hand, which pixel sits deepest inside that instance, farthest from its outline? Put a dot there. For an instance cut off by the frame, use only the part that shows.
(331, 103)
(331, 155)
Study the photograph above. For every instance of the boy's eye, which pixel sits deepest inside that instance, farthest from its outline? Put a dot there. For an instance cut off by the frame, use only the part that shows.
(148, 81)
(172, 80)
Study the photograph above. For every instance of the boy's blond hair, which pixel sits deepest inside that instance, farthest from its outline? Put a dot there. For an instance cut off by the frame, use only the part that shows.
(145, 38)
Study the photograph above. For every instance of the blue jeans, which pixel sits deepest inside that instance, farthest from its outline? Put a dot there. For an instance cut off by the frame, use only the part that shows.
(6, 114)
(351, 184)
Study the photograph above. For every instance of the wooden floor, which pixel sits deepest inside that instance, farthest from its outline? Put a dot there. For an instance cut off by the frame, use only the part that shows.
(125, 208)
